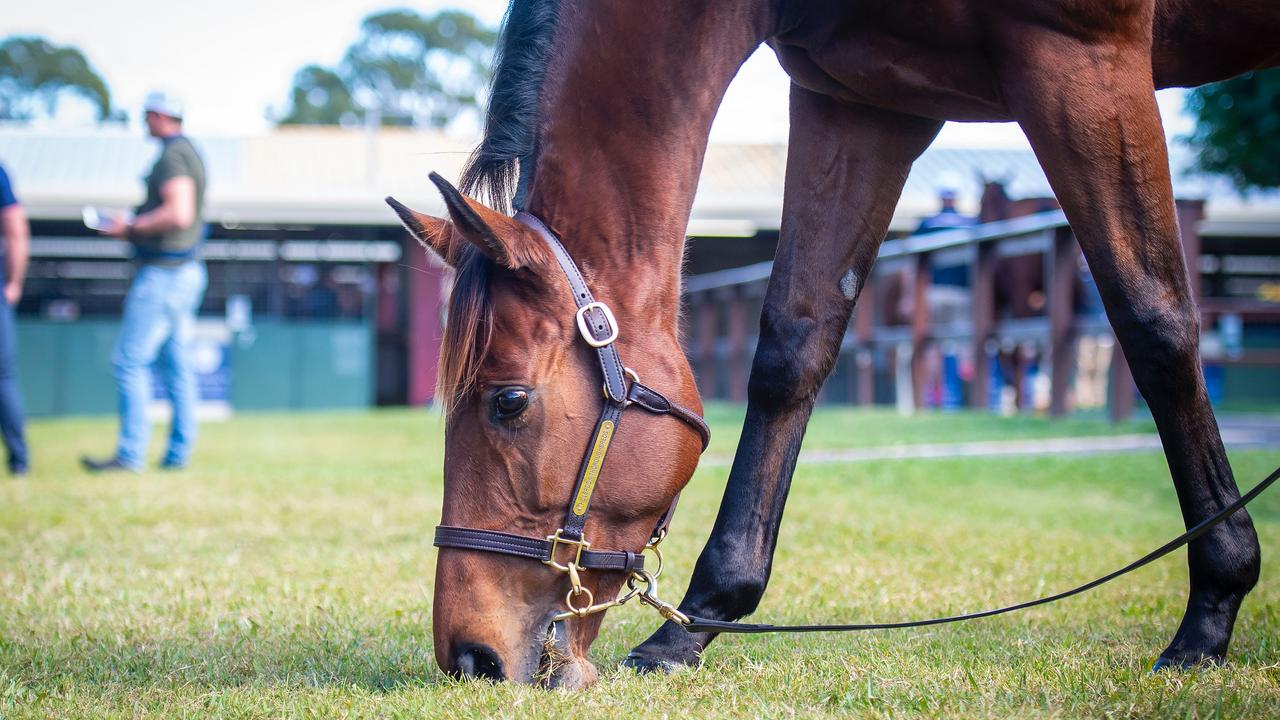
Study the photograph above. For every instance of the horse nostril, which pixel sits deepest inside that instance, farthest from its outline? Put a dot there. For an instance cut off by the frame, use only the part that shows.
(478, 661)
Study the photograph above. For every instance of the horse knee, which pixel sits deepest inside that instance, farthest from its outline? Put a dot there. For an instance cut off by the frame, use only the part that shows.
(793, 358)
(1162, 346)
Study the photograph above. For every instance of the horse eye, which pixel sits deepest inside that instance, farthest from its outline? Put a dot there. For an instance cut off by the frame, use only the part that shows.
(510, 402)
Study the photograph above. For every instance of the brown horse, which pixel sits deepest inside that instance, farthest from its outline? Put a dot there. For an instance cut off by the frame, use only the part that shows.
(598, 122)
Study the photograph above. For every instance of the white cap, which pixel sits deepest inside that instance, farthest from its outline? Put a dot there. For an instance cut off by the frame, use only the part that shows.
(949, 182)
(165, 103)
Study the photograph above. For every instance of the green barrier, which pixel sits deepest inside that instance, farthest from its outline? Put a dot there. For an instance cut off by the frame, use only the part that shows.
(64, 368)
(302, 365)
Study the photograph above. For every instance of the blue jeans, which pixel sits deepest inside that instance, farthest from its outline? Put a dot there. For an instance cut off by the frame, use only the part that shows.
(10, 400)
(159, 321)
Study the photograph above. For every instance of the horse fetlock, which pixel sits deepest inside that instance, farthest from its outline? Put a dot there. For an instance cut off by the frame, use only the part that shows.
(1227, 562)
(731, 590)
(740, 597)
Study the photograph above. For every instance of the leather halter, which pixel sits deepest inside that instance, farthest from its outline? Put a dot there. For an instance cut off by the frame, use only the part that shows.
(599, 329)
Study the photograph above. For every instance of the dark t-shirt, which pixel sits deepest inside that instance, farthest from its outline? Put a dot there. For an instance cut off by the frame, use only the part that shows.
(178, 158)
(7, 197)
(945, 220)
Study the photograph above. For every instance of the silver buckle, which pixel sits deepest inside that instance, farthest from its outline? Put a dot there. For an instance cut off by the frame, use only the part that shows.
(585, 330)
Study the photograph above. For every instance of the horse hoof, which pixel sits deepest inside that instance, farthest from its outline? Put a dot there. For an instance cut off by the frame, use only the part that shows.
(1174, 664)
(670, 649)
(652, 665)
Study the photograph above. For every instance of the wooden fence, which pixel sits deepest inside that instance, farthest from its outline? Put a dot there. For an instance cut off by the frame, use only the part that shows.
(1023, 301)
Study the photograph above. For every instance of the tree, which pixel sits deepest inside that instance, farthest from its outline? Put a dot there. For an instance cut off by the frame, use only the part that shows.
(408, 68)
(320, 97)
(35, 74)
(1238, 129)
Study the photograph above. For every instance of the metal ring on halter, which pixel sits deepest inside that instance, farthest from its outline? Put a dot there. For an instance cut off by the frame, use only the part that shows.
(657, 554)
(574, 612)
(604, 387)
(585, 609)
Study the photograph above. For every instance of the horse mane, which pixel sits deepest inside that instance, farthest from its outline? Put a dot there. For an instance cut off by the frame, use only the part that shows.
(497, 172)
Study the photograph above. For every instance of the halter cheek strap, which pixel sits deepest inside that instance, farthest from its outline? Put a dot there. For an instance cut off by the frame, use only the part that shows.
(566, 549)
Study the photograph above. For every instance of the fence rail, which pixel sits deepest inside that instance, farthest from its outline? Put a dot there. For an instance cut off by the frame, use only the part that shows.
(1015, 323)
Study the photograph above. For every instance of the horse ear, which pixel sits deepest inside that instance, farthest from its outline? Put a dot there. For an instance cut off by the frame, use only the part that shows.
(434, 233)
(507, 242)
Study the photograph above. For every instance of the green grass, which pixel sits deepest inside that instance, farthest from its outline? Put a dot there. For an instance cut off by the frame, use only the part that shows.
(289, 574)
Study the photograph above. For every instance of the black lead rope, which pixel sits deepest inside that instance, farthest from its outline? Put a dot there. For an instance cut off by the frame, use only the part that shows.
(697, 624)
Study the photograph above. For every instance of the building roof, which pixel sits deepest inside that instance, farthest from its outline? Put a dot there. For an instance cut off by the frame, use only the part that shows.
(337, 176)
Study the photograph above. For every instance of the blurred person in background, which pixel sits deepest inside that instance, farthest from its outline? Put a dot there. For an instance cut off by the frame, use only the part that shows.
(16, 232)
(949, 216)
(160, 309)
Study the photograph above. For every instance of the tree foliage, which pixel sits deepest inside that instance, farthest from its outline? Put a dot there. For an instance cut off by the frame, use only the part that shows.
(408, 68)
(35, 74)
(320, 97)
(1238, 129)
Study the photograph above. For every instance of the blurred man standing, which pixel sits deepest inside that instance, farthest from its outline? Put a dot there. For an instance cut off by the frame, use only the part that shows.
(160, 310)
(16, 232)
(949, 216)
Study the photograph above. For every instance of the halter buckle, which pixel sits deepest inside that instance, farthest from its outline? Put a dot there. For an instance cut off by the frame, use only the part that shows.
(557, 539)
(585, 329)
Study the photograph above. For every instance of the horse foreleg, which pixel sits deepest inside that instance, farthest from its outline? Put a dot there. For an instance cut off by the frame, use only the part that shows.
(846, 167)
(1085, 101)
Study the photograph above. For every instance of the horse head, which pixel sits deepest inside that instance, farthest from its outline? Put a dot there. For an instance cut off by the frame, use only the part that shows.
(535, 432)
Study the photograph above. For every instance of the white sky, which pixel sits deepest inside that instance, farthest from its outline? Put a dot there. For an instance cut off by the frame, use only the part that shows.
(233, 59)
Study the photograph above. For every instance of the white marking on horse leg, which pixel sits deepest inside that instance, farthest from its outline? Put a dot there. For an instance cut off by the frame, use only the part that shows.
(849, 285)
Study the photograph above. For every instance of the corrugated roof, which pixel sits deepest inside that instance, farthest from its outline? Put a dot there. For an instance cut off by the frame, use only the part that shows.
(330, 175)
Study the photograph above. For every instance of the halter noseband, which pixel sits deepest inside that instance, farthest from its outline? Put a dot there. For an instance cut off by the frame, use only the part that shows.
(599, 329)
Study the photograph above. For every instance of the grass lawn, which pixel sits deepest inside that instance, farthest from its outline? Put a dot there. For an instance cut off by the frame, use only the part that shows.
(289, 574)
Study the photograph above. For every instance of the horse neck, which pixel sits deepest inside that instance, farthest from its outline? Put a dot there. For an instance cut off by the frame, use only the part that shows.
(630, 95)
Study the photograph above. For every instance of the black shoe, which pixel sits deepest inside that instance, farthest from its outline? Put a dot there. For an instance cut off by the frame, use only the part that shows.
(18, 472)
(172, 465)
(101, 466)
